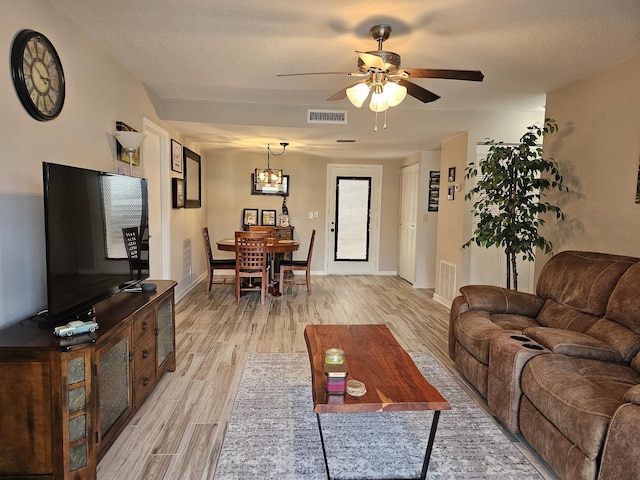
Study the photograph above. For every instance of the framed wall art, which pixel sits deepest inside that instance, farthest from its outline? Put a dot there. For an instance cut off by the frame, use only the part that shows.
(452, 174)
(269, 217)
(249, 216)
(451, 195)
(176, 156)
(192, 179)
(177, 190)
(434, 191)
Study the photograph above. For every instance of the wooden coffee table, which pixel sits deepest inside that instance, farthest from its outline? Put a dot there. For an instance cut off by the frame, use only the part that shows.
(375, 358)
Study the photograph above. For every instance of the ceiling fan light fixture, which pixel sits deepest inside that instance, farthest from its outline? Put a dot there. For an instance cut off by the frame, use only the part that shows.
(379, 102)
(394, 93)
(358, 93)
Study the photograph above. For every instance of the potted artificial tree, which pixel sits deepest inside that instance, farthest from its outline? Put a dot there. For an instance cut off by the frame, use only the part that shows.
(508, 198)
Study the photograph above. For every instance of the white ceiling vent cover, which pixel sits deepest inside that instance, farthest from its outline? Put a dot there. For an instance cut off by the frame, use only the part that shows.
(332, 117)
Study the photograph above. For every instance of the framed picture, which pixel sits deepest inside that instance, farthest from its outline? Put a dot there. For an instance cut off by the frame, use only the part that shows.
(451, 192)
(285, 186)
(192, 180)
(249, 216)
(269, 217)
(120, 153)
(176, 156)
(451, 177)
(284, 220)
(434, 191)
(177, 190)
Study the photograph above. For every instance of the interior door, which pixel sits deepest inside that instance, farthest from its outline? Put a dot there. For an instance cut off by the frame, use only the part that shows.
(353, 217)
(410, 177)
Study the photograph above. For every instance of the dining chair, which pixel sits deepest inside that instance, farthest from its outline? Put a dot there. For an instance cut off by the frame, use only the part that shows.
(132, 246)
(222, 264)
(271, 231)
(251, 262)
(305, 265)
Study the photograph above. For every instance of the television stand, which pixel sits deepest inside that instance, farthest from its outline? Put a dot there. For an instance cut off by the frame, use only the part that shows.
(64, 401)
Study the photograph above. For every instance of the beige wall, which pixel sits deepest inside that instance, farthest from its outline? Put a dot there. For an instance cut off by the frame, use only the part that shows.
(99, 92)
(451, 212)
(597, 149)
(229, 181)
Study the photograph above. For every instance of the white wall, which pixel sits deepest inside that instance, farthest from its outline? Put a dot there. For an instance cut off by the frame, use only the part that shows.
(99, 92)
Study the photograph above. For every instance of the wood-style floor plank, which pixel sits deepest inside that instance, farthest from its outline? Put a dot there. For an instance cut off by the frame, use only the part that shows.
(178, 432)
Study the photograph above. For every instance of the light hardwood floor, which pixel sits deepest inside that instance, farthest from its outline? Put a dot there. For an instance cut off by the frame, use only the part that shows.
(178, 433)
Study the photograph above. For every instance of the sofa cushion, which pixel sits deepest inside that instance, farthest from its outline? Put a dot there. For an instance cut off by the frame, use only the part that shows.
(501, 300)
(624, 341)
(513, 323)
(579, 396)
(582, 280)
(624, 303)
(573, 344)
(473, 330)
(557, 315)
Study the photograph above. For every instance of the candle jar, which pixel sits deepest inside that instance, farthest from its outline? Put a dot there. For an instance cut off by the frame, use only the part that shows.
(334, 356)
(336, 378)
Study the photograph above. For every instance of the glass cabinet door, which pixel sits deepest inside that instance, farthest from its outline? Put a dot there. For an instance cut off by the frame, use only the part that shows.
(114, 386)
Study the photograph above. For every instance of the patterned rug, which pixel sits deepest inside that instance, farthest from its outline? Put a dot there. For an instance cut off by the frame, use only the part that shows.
(273, 432)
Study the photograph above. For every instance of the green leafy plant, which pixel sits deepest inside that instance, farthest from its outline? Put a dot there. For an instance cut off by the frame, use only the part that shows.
(508, 199)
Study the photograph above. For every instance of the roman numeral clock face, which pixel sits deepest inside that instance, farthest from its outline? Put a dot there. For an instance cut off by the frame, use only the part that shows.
(37, 75)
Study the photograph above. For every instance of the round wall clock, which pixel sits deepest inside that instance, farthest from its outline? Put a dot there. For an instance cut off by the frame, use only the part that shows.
(37, 75)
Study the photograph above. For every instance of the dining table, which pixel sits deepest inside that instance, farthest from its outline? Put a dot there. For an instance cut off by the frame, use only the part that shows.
(274, 245)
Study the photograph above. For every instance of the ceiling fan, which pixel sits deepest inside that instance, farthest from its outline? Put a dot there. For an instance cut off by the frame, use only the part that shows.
(384, 80)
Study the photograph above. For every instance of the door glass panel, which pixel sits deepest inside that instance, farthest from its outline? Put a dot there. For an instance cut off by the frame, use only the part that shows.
(353, 201)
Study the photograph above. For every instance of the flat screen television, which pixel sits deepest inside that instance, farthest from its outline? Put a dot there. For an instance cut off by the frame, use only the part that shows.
(84, 213)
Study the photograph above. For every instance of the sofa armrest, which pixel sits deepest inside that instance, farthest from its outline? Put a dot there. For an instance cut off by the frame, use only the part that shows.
(501, 300)
(573, 344)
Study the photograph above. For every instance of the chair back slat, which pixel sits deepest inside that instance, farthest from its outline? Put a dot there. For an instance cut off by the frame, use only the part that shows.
(271, 231)
(207, 244)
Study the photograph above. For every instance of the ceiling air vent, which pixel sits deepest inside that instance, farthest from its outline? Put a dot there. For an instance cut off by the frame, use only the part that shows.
(332, 117)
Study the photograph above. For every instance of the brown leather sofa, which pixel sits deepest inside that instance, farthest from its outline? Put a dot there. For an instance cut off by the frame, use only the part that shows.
(561, 367)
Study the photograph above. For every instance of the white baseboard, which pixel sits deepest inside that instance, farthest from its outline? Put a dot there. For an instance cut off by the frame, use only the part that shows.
(442, 300)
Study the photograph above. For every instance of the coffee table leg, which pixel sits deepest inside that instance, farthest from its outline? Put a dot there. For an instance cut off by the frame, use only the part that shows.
(427, 455)
(324, 451)
(432, 436)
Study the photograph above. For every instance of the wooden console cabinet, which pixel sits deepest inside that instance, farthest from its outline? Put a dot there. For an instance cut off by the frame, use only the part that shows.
(64, 401)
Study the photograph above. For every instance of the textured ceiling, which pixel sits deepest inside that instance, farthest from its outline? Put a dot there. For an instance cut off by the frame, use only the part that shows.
(231, 51)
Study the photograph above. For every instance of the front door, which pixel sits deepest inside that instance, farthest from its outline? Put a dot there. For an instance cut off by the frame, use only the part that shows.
(353, 216)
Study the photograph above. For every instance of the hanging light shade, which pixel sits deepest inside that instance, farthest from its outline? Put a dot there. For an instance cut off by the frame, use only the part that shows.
(358, 93)
(394, 93)
(379, 102)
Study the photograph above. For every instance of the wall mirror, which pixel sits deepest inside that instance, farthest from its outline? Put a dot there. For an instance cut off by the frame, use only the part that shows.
(192, 180)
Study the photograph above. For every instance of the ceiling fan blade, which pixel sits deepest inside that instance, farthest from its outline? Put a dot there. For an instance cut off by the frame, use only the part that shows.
(471, 75)
(339, 95)
(312, 73)
(422, 94)
(371, 61)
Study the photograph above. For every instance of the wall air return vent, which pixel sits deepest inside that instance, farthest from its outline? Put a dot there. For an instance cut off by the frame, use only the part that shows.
(333, 117)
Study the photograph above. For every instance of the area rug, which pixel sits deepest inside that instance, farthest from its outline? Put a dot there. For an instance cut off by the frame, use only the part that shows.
(273, 432)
